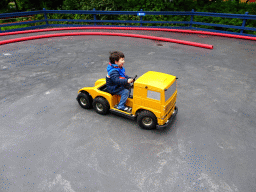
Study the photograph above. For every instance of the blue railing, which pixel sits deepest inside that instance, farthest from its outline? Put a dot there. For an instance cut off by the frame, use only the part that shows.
(140, 14)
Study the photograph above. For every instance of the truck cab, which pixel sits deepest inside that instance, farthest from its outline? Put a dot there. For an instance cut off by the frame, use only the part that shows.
(155, 92)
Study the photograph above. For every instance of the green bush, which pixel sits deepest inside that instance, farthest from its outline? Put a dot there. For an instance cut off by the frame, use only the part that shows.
(28, 5)
(217, 6)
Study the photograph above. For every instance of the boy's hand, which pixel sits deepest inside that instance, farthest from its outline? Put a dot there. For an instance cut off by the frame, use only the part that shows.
(130, 81)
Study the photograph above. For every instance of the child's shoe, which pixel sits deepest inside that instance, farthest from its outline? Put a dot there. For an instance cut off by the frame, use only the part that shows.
(127, 109)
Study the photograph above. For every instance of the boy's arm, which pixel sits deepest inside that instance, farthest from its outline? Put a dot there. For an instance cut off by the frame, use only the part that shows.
(114, 75)
(127, 77)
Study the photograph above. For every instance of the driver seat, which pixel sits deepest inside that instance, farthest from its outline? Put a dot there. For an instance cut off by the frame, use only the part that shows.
(104, 88)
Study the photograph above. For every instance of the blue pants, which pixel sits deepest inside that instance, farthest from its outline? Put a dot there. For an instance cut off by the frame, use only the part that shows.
(124, 95)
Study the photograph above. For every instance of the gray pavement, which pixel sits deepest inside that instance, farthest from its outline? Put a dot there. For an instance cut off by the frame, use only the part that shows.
(49, 143)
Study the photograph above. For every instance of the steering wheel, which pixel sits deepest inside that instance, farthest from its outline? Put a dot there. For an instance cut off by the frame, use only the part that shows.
(131, 84)
(134, 78)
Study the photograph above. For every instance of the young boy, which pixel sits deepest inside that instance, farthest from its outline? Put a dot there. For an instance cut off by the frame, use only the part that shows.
(116, 79)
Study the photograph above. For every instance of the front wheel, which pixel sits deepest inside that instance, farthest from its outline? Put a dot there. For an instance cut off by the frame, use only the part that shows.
(147, 120)
(100, 105)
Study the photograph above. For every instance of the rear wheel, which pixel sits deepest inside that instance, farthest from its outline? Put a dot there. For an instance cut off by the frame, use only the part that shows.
(147, 120)
(100, 105)
(84, 100)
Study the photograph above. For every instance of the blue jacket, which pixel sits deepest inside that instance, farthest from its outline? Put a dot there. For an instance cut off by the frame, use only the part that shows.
(116, 78)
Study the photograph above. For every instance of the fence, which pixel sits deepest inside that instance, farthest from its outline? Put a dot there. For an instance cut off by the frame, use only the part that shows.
(190, 24)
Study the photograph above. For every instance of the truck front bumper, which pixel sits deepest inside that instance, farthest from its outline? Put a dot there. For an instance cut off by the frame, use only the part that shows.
(169, 120)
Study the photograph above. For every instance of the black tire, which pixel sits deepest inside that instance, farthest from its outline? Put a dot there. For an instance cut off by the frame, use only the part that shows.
(147, 120)
(100, 105)
(84, 100)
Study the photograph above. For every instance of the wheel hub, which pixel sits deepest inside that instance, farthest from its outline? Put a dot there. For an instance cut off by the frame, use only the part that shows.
(147, 121)
(83, 101)
(99, 106)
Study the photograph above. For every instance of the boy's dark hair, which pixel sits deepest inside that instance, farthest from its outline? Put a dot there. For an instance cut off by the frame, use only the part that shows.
(115, 56)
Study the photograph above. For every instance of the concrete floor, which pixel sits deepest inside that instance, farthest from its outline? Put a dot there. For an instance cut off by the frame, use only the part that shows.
(49, 143)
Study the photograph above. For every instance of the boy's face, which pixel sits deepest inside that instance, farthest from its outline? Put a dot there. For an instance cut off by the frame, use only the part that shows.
(120, 63)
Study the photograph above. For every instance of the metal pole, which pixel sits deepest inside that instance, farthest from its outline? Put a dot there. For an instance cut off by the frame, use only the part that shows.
(141, 18)
(243, 25)
(94, 16)
(45, 17)
(191, 18)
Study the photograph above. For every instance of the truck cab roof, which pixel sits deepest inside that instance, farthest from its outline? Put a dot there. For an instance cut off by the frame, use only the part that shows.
(155, 80)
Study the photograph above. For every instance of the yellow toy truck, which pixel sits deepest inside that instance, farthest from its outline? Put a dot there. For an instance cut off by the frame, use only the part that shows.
(153, 101)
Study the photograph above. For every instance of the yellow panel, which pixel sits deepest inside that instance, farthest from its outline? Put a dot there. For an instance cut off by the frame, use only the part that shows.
(100, 81)
(155, 80)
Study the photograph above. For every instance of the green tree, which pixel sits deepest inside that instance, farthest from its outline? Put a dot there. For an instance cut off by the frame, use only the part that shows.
(4, 5)
(28, 5)
(114, 5)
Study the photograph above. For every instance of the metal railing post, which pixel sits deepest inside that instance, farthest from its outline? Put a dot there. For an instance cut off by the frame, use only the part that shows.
(191, 19)
(141, 18)
(45, 17)
(94, 17)
(243, 25)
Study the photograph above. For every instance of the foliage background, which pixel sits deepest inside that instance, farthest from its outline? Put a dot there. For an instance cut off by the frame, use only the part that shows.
(217, 6)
